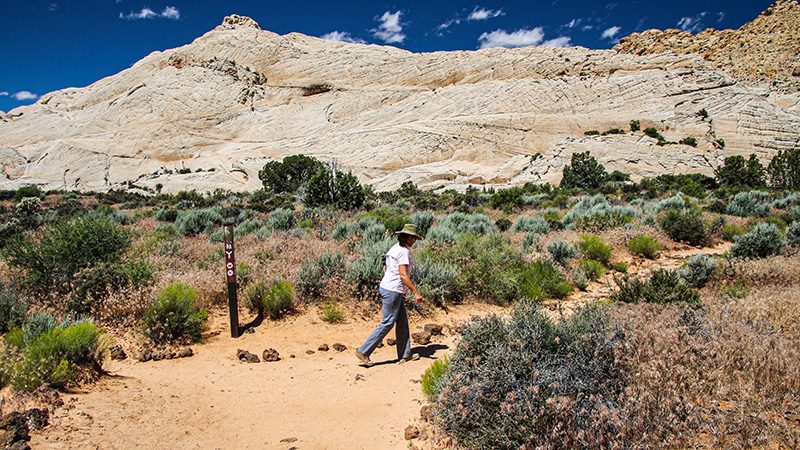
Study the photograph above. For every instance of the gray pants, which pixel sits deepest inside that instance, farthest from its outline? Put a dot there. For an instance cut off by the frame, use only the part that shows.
(394, 311)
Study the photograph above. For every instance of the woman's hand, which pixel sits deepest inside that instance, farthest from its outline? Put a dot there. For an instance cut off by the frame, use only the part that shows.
(418, 297)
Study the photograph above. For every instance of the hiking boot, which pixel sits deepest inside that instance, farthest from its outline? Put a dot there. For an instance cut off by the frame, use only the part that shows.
(364, 359)
(413, 357)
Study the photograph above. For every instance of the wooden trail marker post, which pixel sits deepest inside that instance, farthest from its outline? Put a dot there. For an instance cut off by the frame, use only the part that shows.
(230, 275)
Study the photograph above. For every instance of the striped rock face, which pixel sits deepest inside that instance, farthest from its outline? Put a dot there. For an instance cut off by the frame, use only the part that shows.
(240, 96)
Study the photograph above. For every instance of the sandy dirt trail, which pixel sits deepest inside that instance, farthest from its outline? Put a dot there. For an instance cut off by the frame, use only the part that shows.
(324, 400)
(212, 400)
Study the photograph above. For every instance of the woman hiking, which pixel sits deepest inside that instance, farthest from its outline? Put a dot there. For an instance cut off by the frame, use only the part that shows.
(394, 285)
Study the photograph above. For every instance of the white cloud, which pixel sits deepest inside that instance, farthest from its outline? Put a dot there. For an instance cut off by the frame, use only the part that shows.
(609, 33)
(720, 16)
(563, 41)
(52, 6)
(24, 95)
(573, 23)
(4, 94)
(484, 14)
(170, 12)
(587, 27)
(692, 24)
(450, 22)
(390, 29)
(342, 36)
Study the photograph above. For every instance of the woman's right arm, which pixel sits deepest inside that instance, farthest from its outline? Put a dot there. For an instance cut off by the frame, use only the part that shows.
(407, 281)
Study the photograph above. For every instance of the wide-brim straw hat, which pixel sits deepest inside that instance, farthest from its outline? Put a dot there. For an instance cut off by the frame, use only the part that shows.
(409, 229)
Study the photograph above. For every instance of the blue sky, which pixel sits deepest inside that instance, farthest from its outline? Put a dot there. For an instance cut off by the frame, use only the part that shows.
(47, 45)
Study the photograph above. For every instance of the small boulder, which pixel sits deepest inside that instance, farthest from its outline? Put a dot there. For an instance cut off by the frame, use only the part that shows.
(391, 341)
(421, 338)
(270, 355)
(145, 355)
(117, 353)
(323, 348)
(158, 355)
(380, 344)
(433, 328)
(37, 418)
(412, 432)
(426, 413)
(246, 356)
(185, 352)
(309, 352)
(339, 347)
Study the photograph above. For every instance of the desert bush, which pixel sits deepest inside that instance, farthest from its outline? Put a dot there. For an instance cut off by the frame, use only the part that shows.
(27, 191)
(594, 247)
(541, 280)
(763, 240)
(644, 245)
(65, 249)
(278, 299)
(503, 224)
(281, 219)
(592, 269)
(53, 357)
(423, 220)
(489, 266)
(579, 278)
(433, 377)
(331, 312)
(436, 280)
(530, 242)
(517, 383)
(793, 234)
(254, 296)
(374, 232)
(249, 226)
(391, 218)
(175, 316)
(752, 203)
(507, 199)
(330, 186)
(316, 88)
(166, 214)
(690, 140)
(677, 201)
(13, 309)
(454, 225)
(39, 323)
(635, 126)
(534, 224)
(366, 272)
(698, 270)
(583, 172)
(562, 252)
(314, 275)
(684, 226)
(664, 286)
(195, 221)
(595, 213)
(730, 232)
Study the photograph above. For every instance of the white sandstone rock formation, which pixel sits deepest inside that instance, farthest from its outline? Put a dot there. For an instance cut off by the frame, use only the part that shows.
(233, 99)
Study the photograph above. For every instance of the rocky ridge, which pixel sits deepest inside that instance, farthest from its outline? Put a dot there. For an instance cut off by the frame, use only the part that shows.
(766, 50)
(238, 97)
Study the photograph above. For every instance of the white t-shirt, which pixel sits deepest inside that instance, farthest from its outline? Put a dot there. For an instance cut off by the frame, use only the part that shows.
(396, 256)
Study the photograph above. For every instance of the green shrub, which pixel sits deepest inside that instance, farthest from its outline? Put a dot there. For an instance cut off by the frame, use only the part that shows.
(541, 281)
(454, 225)
(793, 234)
(730, 232)
(433, 377)
(784, 170)
(592, 269)
(13, 309)
(503, 224)
(507, 199)
(423, 220)
(698, 270)
(619, 266)
(583, 172)
(314, 275)
(530, 242)
(635, 126)
(53, 356)
(279, 299)
(27, 191)
(195, 221)
(595, 213)
(562, 252)
(254, 296)
(334, 187)
(332, 313)
(740, 173)
(436, 280)
(691, 141)
(288, 175)
(644, 245)
(593, 247)
(752, 203)
(535, 224)
(489, 267)
(39, 323)
(664, 286)
(684, 226)
(281, 219)
(175, 316)
(366, 272)
(507, 379)
(763, 240)
(65, 249)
